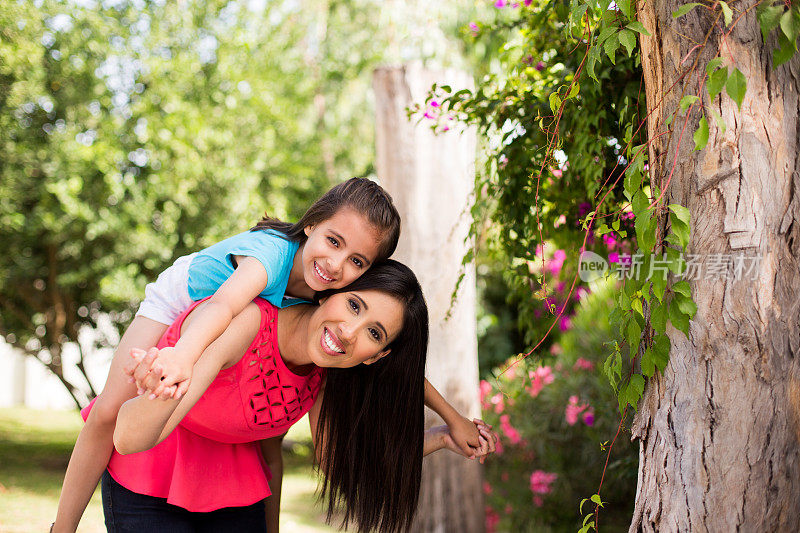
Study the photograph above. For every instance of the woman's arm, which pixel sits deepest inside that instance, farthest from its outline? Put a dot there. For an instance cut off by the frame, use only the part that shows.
(463, 432)
(273, 456)
(142, 423)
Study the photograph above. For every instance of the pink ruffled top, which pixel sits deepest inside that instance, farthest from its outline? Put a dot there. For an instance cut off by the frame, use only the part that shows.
(212, 459)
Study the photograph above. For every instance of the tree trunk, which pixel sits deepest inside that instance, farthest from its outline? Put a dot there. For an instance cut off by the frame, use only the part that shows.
(430, 178)
(719, 430)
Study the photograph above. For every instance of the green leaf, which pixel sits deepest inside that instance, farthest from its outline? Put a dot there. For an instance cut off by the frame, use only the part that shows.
(701, 135)
(721, 126)
(785, 52)
(646, 232)
(680, 230)
(573, 92)
(716, 81)
(681, 212)
(633, 336)
(685, 305)
(687, 101)
(605, 33)
(714, 63)
(736, 87)
(555, 102)
(658, 317)
(638, 27)
(636, 305)
(661, 347)
(678, 320)
(769, 18)
(634, 390)
(610, 46)
(790, 24)
(640, 203)
(591, 63)
(628, 40)
(596, 499)
(647, 363)
(625, 7)
(681, 11)
(726, 12)
(682, 287)
(580, 507)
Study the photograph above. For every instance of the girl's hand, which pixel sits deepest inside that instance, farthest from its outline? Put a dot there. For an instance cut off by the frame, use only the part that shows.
(146, 372)
(488, 439)
(175, 374)
(465, 434)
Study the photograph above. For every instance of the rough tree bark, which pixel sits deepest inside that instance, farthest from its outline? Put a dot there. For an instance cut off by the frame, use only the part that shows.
(430, 178)
(719, 430)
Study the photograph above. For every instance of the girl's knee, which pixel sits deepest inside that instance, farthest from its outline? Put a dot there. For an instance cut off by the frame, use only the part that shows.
(104, 411)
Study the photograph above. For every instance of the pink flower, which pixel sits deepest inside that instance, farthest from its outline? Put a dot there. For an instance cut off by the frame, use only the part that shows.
(573, 410)
(564, 323)
(580, 292)
(557, 172)
(627, 215)
(510, 431)
(498, 402)
(485, 389)
(613, 257)
(541, 481)
(429, 115)
(588, 417)
(555, 264)
(539, 66)
(492, 519)
(539, 378)
(610, 241)
(583, 364)
(434, 103)
(500, 3)
(487, 489)
(560, 286)
(473, 28)
(527, 2)
(537, 500)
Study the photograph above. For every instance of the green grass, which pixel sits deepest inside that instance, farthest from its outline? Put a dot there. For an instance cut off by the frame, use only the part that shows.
(35, 448)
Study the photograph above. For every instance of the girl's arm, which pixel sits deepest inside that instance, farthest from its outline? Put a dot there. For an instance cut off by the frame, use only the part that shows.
(143, 423)
(246, 282)
(463, 432)
(273, 456)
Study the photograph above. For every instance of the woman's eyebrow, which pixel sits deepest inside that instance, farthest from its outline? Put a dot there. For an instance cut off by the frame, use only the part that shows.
(366, 308)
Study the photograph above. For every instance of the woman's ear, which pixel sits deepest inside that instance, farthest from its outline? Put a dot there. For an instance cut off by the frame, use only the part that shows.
(308, 229)
(377, 356)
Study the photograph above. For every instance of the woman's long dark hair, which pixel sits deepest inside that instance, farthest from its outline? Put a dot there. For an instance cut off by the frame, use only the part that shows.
(360, 194)
(372, 417)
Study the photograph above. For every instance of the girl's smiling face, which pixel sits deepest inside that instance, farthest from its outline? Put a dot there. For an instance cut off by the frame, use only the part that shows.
(350, 328)
(338, 250)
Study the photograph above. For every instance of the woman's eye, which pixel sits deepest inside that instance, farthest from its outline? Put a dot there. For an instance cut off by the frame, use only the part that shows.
(375, 334)
(333, 241)
(353, 305)
(358, 262)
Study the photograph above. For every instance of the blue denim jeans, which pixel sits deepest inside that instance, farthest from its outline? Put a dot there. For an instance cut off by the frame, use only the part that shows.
(129, 512)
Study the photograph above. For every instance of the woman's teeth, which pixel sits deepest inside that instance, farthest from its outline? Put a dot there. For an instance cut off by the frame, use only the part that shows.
(330, 344)
(320, 274)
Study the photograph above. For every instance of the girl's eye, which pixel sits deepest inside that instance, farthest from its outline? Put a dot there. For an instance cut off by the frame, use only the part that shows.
(353, 305)
(333, 241)
(375, 334)
(358, 262)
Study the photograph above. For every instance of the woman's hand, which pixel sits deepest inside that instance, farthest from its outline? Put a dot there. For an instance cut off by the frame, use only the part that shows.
(147, 370)
(439, 437)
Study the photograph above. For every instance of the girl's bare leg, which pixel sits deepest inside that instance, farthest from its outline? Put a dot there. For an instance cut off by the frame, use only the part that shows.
(96, 440)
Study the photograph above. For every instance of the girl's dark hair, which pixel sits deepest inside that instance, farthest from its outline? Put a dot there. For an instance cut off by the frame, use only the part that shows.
(372, 417)
(360, 194)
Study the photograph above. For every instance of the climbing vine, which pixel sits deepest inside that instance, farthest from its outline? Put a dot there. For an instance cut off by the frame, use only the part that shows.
(565, 124)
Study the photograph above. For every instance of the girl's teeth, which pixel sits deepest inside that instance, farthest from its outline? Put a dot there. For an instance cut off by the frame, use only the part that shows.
(319, 272)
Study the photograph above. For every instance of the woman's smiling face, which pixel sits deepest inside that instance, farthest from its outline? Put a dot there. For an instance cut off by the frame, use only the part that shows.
(354, 327)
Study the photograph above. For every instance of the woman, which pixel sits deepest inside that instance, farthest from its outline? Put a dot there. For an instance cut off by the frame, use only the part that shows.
(356, 363)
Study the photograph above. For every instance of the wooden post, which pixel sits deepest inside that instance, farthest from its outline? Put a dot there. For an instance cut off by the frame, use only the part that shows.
(430, 178)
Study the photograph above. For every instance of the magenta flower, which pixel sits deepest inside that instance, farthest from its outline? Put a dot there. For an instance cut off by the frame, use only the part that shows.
(500, 3)
(613, 257)
(583, 364)
(510, 431)
(573, 410)
(485, 389)
(539, 66)
(588, 417)
(539, 378)
(429, 115)
(541, 481)
(564, 323)
(555, 264)
(527, 3)
(434, 103)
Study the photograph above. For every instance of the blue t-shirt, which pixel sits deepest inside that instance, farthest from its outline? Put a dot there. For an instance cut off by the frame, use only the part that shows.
(211, 267)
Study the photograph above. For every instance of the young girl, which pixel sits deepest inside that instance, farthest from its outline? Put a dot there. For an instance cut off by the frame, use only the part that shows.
(350, 227)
